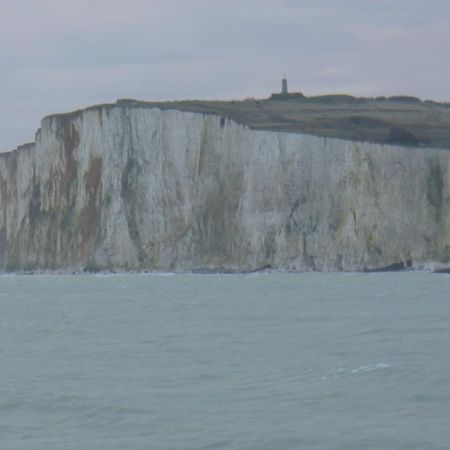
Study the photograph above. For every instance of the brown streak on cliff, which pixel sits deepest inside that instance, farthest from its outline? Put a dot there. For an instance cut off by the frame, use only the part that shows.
(88, 220)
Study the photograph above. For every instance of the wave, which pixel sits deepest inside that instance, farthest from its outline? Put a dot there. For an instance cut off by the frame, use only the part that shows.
(342, 371)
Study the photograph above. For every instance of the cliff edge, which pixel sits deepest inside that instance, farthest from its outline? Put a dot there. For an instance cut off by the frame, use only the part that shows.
(142, 187)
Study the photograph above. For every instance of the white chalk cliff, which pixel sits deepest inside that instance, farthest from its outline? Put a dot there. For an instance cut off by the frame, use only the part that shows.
(128, 187)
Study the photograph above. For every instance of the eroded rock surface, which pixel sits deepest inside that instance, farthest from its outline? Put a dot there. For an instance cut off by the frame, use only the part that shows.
(126, 187)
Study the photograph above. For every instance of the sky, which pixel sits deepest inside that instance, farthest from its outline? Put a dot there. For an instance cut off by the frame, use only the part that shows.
(61, 55)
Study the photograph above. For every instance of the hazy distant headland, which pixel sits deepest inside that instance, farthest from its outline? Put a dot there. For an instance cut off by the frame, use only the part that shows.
(290, 182)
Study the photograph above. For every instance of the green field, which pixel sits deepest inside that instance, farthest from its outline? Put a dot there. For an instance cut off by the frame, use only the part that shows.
(393, 120)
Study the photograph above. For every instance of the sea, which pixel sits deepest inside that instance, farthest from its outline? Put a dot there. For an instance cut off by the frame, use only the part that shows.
(265, 361)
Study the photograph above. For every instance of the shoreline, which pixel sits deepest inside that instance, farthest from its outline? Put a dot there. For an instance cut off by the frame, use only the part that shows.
(393, 268)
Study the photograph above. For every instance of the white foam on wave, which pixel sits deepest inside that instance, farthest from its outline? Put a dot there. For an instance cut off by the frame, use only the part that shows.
(430, 266)
(342, 371)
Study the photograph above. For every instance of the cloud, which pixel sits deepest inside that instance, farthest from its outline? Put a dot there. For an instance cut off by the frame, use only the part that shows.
(413, 37)
(59, 54)
(337, 71)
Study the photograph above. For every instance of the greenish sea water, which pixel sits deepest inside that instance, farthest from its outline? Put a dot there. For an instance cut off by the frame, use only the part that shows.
(265, 361)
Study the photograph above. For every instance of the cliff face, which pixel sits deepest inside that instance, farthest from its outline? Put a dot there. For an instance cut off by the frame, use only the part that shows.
(127, 187)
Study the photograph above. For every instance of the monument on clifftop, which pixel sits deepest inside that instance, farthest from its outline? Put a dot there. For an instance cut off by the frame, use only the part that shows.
(285, 94)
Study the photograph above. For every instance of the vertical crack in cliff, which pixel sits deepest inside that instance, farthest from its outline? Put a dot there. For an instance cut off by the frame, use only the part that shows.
(88, 221)
(434, 194)
(129, 191)
(34, 209)
(219, 188)
(201, 154)
(4, 219)
(434, 184)
(60, 241)
(70, 140)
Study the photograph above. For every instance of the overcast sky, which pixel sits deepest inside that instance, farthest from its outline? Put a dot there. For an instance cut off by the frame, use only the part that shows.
(60, 55)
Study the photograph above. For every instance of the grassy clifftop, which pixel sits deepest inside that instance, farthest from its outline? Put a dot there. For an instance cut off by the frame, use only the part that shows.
(393, 120)
(390, 120)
